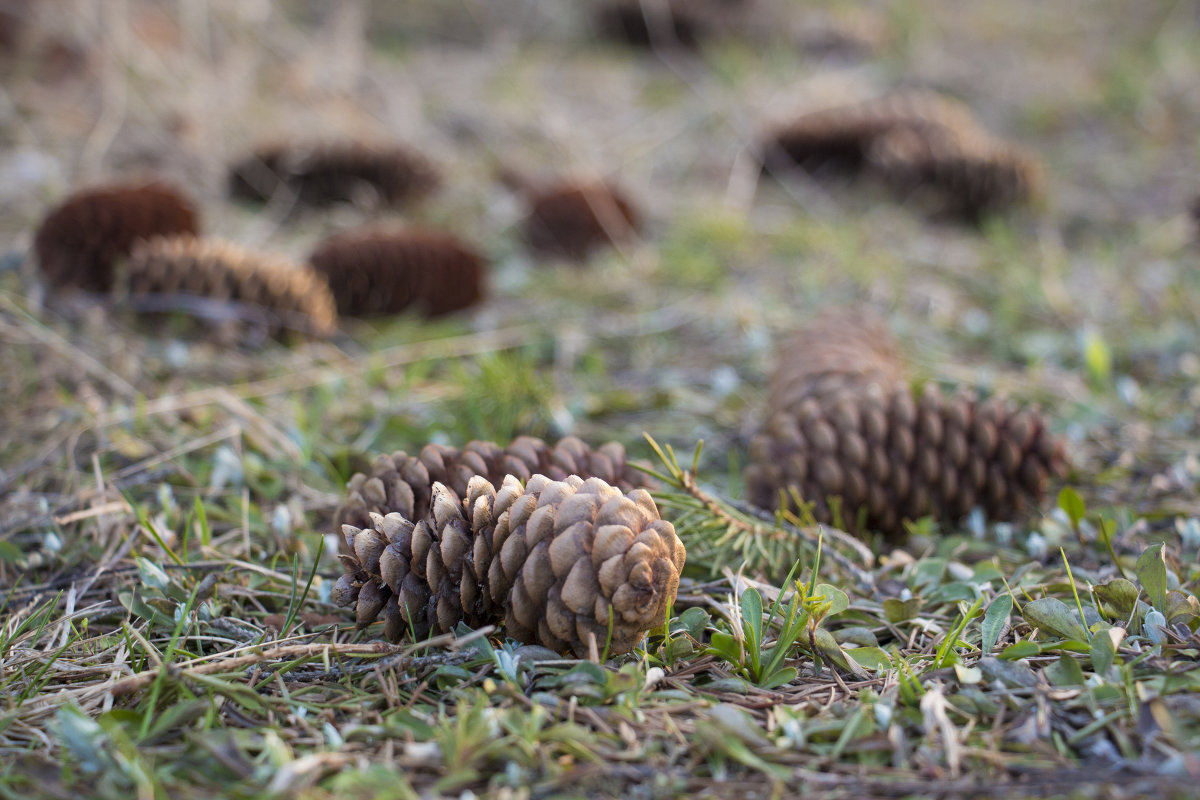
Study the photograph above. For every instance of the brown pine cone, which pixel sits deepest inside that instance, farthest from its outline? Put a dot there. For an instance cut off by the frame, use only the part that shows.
(14, 17)
(836, 352)
(839, 139)
(292, 295)
(890, 457)
(372, 272)
(571, 218)
(323, 174)
(565, 564)
(79, 243)
(403, 483)
(666, 23)
(968, 174)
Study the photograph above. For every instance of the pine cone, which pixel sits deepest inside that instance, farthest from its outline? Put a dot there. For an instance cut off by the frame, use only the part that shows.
(839, 139)
(664, 23)
(374, 272)
(572, 219)
(14, 15)
(835, 353)
(890, 457)
(969, 174)
(557, 561)
(293, 295)
(79, 243)
(402, 483)
(321, 175)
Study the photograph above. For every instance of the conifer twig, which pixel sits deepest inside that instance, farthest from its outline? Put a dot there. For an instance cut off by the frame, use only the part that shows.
(717, 533)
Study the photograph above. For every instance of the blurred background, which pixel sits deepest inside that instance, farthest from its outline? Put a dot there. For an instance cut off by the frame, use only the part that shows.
(1084, 300)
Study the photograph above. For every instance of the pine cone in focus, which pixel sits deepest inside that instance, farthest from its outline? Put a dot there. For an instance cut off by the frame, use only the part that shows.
(79, 243)
(891, 457)
(571, 219)
(320, 175)
(293, 295)
(839, 139)
(374, 272)
(557, 561)
(968, 174)
(403, 483)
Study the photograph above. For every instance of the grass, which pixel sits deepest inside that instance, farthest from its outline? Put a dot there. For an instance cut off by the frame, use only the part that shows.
(165, 569)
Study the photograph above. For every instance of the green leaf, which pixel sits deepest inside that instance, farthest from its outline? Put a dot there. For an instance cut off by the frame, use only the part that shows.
(1181, 607)
(1065, 672)
(1071, 503)
(994, 621)
(900, 610)
(584, 672)
(953, 592)
(1053, 615)
(9, 552)
(779, 678)
(724, 645)
(85, 740)
(929, 571)
(870, 657)
(1120, 595)
(1097, 357)
(829, 648)
(133, 601)
(152, 575)
(857, 635)
(1104, 648)
(752, 621)
(693, 621)
(1021, 649)
(838, 602)
(1152, 574)
(1009, 671)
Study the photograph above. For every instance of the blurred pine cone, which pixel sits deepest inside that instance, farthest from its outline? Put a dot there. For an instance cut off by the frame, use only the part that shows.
(845, 431)
(374, 272)
(914, 141)
(556, 561)
(573, 218)
(839, 139)
(321, 175)
(835, 353)
(664, 23)
(402, 483)
(292, 295)
(14, 15)
(967, 173)
(79, 243)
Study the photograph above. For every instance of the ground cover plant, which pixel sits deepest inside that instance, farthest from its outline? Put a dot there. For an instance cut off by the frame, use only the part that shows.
(171, 622)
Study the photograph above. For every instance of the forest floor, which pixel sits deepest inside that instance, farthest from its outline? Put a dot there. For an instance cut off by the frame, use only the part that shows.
(165, 573)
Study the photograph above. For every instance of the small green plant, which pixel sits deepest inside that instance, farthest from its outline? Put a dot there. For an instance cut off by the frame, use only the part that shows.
(747, 642)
